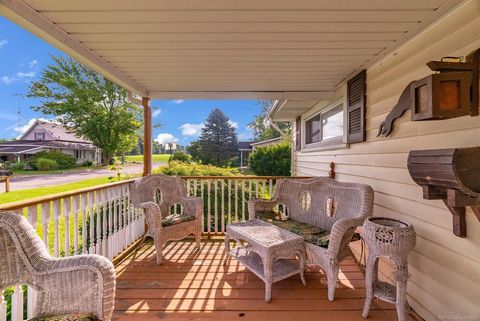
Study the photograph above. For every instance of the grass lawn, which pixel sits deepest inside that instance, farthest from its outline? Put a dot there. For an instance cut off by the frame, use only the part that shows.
(20, 195)
(157, 158)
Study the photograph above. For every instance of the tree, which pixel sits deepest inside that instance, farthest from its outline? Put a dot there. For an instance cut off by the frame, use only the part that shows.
(263, 130)
(194, 150)
(218, 141)
(88, 104)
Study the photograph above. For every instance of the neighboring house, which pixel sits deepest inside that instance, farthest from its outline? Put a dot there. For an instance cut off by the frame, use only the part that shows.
(445, 269)
(265, 143)
(49, 136)
(170, 148)
(244, 148)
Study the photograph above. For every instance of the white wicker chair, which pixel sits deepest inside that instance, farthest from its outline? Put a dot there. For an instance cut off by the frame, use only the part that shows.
(156, 194)
(337, 207)
(76, 284)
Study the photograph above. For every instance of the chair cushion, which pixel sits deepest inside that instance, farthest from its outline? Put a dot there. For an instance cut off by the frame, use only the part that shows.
(176, 219)
(311, 233)
(66, 317)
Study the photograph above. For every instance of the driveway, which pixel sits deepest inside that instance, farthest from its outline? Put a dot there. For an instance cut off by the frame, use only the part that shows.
(34, 181)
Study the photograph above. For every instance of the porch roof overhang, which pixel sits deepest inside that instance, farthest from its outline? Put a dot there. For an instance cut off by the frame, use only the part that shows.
(261, 49)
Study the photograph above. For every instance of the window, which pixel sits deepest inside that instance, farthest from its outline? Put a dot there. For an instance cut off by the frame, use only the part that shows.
(39, 135)
(325, 126)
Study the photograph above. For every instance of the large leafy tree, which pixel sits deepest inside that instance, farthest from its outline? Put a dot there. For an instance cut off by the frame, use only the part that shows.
(218, 141)
(88, 104)
(262, 130)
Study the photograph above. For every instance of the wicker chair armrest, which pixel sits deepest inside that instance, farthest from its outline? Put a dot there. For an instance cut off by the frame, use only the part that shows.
(81, 283)
(258, 204)
(339, 231)
(152, 214)
(192, 206)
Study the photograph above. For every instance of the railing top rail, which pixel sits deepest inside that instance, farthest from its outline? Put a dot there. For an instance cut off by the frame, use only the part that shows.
(245, 177)
(48, 198)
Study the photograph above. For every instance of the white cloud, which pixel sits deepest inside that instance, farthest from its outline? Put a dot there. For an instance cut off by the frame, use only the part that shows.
(3, 43)
(7, 80)
(165, 138)
(246, 135)
(156, 112)
(191, 129)
(178, 101)
(32, 63)
(29, 74)
(234, 124)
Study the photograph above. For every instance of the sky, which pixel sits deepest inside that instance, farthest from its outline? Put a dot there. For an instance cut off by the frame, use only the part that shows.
(23, 56)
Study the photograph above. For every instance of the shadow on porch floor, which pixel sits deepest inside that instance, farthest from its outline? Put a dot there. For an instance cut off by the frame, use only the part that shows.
(194, 285)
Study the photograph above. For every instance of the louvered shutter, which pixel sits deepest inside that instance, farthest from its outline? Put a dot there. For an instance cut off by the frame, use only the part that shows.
(298, 134)
(356, 108)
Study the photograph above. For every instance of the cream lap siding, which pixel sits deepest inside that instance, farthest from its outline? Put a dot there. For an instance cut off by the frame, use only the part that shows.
(445, 269)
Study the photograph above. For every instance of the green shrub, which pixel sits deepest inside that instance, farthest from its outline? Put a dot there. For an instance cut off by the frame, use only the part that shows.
(87, 163)
(64, 161)
(272, 160)
(176, 168)
(19, 166)
(180, 157)
(46, 164)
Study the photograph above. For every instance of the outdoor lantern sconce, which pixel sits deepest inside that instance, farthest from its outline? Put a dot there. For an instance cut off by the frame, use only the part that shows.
(453, 91)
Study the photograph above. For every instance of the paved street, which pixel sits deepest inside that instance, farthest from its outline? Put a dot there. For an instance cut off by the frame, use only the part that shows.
(34, 181)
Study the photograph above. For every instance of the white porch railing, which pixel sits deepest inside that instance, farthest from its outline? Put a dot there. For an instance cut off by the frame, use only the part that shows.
(101, 220)
(98, 220)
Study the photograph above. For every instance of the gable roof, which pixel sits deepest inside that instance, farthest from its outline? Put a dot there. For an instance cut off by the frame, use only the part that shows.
(56, 130)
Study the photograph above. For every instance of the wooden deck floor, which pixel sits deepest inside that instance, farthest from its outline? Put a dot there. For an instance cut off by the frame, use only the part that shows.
(194, 285)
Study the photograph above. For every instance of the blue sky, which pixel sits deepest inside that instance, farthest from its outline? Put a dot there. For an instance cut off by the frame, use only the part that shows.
(23, 56)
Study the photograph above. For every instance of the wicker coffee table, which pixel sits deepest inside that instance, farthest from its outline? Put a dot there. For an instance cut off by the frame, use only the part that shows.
(266, 250)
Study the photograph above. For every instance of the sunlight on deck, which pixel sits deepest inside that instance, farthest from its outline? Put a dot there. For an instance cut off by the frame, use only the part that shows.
(193, 285)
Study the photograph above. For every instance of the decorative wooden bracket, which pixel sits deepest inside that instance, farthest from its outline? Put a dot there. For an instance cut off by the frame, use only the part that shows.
(400, 108)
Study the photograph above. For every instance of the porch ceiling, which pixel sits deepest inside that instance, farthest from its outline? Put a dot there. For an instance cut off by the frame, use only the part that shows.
(273, 49)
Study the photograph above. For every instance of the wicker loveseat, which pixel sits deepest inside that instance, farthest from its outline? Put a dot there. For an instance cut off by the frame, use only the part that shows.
(325, 212)
(80, 287)
(156, 194)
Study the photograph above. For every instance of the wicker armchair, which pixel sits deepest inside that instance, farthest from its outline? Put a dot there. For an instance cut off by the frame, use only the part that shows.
(77, 284)
(336, 208)
(156, 194)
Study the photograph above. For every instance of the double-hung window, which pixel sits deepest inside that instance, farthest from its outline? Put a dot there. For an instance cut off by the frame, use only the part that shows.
(325, 126)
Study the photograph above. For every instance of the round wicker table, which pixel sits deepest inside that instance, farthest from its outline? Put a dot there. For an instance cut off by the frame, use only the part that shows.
(392, 239)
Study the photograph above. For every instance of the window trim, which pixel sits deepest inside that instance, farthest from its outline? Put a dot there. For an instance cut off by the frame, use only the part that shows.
(327, 144)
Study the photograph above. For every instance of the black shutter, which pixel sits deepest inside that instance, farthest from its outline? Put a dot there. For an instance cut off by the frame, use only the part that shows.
(298, 133)
(356, 108)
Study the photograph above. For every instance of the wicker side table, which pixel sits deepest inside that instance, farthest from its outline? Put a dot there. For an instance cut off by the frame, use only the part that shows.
(392, 239)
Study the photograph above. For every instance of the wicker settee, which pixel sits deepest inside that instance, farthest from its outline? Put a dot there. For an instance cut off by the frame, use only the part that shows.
(325, 212)
(80, 287)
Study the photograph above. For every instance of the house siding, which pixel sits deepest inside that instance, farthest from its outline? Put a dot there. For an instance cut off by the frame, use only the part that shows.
(445, 269)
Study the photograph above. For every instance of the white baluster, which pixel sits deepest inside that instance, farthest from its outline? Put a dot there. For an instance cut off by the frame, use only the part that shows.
(67, 211)
(243, 200)
(17, 304)
(98, 223)
(3, 307)
(56, 228)
(31, 302)
(84, 206)
(91, 210)
(209, 224)
(105, 222)
(236, 200)
(76, 213)
(249, 193)
(270, 187)
(264, 192)
(188, 187)
(45, 222)
(195, 181)
(229, 201)
(113, 236)
(223, 206)
(257, 182)
(216, 205)
(203, 199)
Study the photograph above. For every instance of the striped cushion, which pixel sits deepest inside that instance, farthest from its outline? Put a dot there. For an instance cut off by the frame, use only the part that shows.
(176, 219)
(66, 317)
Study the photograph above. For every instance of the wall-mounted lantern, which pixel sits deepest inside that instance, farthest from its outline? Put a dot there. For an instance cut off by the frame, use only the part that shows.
(452, 91)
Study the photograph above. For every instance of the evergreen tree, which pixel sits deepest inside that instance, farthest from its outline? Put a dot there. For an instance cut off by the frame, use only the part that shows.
(218, 141)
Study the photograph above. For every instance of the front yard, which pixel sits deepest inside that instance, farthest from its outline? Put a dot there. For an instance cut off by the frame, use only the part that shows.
(157, 158)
